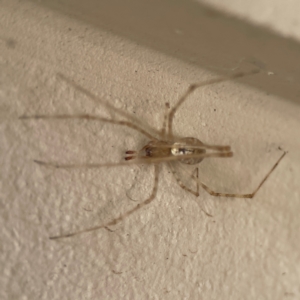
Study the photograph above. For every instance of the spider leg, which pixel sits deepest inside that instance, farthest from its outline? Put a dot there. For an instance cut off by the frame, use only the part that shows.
(122, 216)
(164, 126)
(90, 117)
(194, 86)
(96, 99)
(195, 174)
(182, 185)
(217, 194)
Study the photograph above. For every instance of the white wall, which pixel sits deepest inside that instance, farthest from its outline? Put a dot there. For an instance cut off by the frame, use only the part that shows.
(248, 249)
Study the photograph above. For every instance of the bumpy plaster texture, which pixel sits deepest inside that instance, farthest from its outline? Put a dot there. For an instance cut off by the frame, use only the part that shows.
(248, 249)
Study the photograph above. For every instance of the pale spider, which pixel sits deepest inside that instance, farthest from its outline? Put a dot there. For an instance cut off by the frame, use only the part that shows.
(163, 147)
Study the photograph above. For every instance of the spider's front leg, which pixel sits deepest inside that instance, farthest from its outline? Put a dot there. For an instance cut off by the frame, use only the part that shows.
(195, 86)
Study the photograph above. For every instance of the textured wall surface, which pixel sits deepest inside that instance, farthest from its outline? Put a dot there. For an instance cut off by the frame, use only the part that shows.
(280, 16)
(247, 249)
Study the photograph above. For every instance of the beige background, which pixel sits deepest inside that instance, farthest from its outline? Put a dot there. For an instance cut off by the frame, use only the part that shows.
(139, 55)
(279, 16)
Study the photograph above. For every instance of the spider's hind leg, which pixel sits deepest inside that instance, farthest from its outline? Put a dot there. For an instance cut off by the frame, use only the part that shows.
(195, 174)
(235, 195)
(195, 177)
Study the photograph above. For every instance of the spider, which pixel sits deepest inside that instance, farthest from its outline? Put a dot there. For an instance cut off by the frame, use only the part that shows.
(163, 147)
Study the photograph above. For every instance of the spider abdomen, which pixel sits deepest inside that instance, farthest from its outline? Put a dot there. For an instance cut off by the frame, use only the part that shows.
(188, 146)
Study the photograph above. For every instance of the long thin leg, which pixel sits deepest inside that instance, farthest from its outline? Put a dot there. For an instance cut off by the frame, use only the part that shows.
(91, 117)
(195, 174)
(164, 126)
(122, 216)
(194, 86)
(120, 112)
(211, 192)
(182, 185)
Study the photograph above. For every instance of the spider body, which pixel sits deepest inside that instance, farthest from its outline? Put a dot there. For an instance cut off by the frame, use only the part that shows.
(163, 149)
